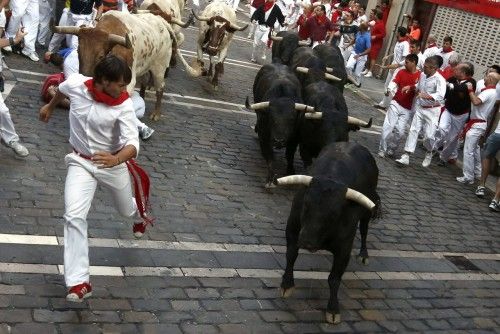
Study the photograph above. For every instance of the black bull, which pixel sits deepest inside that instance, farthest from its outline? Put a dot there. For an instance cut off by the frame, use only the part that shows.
(340, 192)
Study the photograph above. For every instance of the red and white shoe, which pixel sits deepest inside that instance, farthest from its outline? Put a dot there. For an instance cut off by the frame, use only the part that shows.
(79, 292)
(139, 229)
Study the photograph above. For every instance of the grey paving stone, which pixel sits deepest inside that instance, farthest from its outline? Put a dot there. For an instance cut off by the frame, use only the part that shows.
(246, 260)
(277, 316)
(198, 329)
(99, 316)
(33, 328)
(79, 328)
(256, 304)
(174, 316)
(185, 305)
(55, 316)
(220, 305)
(15, 316)
(150, 304)
(200, 293)
(160, 329)
(109, 304)
(300, 328)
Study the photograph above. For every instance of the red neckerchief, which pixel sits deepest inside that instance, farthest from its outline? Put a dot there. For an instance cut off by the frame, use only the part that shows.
(488, 87)
(102, 97)
(268, 5)
(446, 50)
(321, 20)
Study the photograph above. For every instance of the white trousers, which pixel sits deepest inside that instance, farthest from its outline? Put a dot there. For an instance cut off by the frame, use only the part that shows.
(346, 53)
(3, 19)
(7, 130)
(25, 11)
(81, 182)
(69, 19)
(425, 119)
(258, 41)
(46, 12)
(472, 151)
(449, 128)
(356, 66)
(394, 127)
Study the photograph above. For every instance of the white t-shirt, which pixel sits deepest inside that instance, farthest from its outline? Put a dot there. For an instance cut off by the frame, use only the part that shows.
(435, 86)
(480, 85)
(432, 51)
(483, 111)
(401, 50)
(95, 126)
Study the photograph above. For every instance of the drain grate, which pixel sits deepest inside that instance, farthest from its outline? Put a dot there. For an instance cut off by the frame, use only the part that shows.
(462, 263)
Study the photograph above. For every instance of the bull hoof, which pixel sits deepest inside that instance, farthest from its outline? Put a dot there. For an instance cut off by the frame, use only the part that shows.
(363, 259)
(270, 185)
(286, 293)
(333, 318)
(154, 117)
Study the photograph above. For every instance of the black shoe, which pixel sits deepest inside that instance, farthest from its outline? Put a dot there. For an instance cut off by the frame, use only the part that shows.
(2, 84)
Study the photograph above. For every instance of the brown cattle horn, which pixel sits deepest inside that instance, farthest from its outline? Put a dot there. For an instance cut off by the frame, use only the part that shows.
(359, 198)
(332, 77)
(313, 115)
(65, 30)
(277, 38)
(304, 180)
(359, 122)
(182, 24)
(303, 107)
(301, 69)
(256, 106)
(303, 43)
(199, 18)
(237, 28)
(120, 40)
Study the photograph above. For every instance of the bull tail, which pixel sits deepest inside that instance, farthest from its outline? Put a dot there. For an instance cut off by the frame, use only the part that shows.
(176, 50)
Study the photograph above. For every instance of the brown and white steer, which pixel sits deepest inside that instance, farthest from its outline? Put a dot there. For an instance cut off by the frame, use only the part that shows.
(217, 26)
(144, 41)
(173, 8)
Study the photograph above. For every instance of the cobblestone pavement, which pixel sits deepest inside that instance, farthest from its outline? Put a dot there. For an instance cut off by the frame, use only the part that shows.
(212, 261)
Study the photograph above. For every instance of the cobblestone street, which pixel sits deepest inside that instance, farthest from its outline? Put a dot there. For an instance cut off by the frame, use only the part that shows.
(212, 262)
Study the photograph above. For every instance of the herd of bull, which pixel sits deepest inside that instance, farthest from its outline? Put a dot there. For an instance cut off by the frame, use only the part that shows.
(299, 103)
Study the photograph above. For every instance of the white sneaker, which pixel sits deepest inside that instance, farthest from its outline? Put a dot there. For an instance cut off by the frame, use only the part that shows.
(368, 74)
(7, 48)
(464, 180)
(146, 133)
(263, 57)
(381, 154)
(404, 160)
(253, 60)
(18, 148)
(427, 159)
(31, 55)
(364, 72)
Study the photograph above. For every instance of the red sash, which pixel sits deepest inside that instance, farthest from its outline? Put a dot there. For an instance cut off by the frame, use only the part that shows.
(141, 190)
(469, 125)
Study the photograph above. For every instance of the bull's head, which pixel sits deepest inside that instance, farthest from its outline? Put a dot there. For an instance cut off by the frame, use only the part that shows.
(282, 115)
(219, 27)
(323, 203)
(287, 44)
(93, 45)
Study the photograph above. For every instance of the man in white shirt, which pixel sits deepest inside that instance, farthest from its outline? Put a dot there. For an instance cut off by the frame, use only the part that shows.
(27, 12)
(431, 89)
(401, 50)
(431, 49)
(104, 139)
(446, 51)
(475, 128)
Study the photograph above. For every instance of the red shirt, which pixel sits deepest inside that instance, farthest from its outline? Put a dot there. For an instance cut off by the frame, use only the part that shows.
(319, 27)
(405, 78)
(303, 29)
(385, 14)
(378, 31)
(447, 72)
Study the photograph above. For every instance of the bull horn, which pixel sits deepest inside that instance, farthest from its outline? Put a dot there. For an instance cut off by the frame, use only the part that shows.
(294, 180)
(359, 122)
(120, 40)
(199, 18)
(277, 38)
(65, 29)
(303, 107)
(140, 11)
(352, 80)
(256, 106)
(329, 76)
(303, 43)
(301, 69)
(359, 198)
(329, 69)
(313, 115)
(182, 24)
(237, 28)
